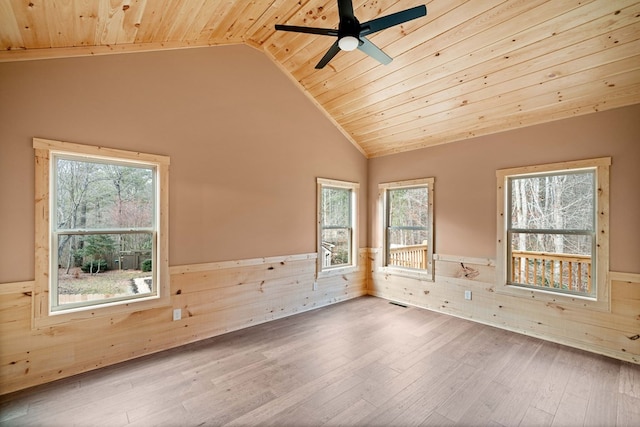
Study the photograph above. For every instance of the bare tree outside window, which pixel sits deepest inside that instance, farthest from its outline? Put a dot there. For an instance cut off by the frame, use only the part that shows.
(103, 228)
(337, 236)
(408, 227)
(551, 231)
(336, 225)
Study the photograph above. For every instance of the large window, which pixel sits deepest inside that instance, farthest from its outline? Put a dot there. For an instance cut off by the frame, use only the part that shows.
(554, 234)
(337, 219)
(102, 227)
(407, 212)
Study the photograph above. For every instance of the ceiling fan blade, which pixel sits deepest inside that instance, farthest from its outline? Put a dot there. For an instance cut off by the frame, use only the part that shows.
(350, 30)
(345, 9)
(333, 50)
(384, 22)
(374, 51)
(308, 30)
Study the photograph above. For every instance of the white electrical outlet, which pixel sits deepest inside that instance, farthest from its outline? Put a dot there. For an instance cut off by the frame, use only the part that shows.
(177, 314)
(467, 295)
(315, 286)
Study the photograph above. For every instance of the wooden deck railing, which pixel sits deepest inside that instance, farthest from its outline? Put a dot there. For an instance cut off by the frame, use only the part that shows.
(551, 270)
(412, 256)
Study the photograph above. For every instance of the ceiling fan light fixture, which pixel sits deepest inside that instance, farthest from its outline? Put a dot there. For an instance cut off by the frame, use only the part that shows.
(348, 43)
(352, 34)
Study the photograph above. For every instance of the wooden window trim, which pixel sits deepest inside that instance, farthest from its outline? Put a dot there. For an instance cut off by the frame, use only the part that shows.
(429, 274)
(601, 301)
(42, 317)
(355, 188)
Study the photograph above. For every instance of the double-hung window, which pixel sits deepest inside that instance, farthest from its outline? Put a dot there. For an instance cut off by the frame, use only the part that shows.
(553, 227)
(407, 223)
(101, 228)
(337, 220)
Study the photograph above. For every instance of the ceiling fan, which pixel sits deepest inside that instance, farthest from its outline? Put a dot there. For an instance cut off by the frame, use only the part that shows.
(351, 33)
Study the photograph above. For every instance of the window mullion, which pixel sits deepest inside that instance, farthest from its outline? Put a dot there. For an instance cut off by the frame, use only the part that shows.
(540, 231)
(407, 227)
(84, 231)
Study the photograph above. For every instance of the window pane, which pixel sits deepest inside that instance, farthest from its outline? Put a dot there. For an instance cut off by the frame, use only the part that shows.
(408, 248)
(409, 207)
(559, 262)
(408, 222)
(402, 237)
(92, 195)
(552, 243)
(103, 267)
(553, 202)
(336, 247)
(336, 207)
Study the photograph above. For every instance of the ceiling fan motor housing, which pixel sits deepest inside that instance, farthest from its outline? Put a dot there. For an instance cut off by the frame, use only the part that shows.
(348, 34)
(352, 35)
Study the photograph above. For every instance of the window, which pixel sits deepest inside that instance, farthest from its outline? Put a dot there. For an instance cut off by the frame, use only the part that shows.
(407, 223)
(101, 230)
(337, 219)
(554, 228)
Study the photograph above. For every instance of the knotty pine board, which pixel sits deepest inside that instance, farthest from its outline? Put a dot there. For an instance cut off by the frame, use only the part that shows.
(221, 297)
(215, 298)
(613, 333)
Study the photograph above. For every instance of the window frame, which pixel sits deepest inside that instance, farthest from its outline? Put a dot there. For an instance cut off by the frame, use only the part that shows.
(46, 151)
(354, 188)
(600, 256)
(383, 191)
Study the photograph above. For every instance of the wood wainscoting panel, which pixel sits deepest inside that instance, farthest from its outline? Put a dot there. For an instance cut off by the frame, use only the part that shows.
(613, 333)
(362, 362)
(214, 298)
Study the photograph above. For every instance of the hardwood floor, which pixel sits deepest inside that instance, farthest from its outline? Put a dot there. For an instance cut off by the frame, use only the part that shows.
(361, 362)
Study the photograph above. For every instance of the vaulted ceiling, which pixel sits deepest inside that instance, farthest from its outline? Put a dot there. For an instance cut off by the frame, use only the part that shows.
(469, 68)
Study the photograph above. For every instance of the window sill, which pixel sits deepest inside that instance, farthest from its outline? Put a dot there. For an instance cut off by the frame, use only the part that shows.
(337, 271)
(118, 308)
(553, 299)
(422, 275)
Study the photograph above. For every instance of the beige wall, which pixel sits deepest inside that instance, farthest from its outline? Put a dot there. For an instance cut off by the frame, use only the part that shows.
(465, 231)
(245, 145)
(465, 179)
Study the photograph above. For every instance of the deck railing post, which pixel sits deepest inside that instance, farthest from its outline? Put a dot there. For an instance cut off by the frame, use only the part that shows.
(411, 256)
(536, 276)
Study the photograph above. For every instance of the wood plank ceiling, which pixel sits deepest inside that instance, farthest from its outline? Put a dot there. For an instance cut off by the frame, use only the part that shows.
(469, 68)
